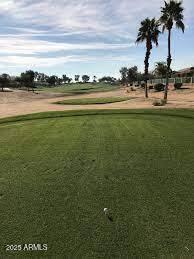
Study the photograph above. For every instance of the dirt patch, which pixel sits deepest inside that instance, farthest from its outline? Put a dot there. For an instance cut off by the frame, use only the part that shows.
(23, 102)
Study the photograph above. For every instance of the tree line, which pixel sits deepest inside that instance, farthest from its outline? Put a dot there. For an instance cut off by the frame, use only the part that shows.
(31, 79)
(131, 74)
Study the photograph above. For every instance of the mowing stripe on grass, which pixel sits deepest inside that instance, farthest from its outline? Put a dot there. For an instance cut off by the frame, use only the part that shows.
(59, 174)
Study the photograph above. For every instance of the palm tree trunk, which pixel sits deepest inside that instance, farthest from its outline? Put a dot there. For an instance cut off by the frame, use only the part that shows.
(169, 60)
(146, 62)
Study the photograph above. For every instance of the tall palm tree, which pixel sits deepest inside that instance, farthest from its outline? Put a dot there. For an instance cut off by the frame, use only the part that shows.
(172, 13)
(148, 32)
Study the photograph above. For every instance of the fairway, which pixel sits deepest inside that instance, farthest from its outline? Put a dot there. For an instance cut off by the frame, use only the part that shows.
(60, 170)
(81, 88)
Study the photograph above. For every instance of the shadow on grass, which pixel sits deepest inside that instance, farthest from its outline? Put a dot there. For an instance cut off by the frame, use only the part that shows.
(174, 113)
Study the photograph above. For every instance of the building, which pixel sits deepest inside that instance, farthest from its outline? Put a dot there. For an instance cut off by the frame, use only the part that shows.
(186, 72)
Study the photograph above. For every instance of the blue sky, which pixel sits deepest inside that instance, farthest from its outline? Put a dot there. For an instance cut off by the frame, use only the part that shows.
(94, 37)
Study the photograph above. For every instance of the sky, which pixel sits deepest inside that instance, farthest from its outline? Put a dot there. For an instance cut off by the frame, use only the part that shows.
(94, 37)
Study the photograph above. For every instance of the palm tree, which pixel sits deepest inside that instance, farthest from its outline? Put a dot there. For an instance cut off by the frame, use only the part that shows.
(94, 79)
(160, 70)
(172, 13)
(148, 32)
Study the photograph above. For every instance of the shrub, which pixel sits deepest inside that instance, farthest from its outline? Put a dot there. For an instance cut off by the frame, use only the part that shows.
(159, 87)
(161, 102)
(178, 85)
(143, 85)
(151, 87)
(132, 89)
(188, 80)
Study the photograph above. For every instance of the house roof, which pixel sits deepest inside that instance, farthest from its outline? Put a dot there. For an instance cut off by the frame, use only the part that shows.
(185, 70)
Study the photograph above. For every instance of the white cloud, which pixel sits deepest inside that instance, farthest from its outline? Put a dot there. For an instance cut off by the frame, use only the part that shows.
(33, 62)
(6, 4)
(107, 16)
(105, 20)
(16, 45)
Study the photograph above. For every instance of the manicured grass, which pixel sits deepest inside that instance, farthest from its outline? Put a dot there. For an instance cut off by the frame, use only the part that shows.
(87, 101)
(59, 170)
(81, 88)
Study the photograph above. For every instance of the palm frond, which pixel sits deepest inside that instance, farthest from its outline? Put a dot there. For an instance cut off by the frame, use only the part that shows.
(149, 31)
(180, 25)
(171, 13)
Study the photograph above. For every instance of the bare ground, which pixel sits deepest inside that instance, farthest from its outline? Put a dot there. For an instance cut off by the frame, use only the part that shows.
(23, 102)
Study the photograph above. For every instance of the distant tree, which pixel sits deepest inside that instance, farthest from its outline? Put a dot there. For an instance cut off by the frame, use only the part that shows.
(94, 79)
(52, 80)
(171, 13)
(132, 74)
(27, 79)
(31, 74)
(4, 81)
(59, 81)
(17, 82)
(46, 77)
(36, 76)
(107, 79)
(161, 70)
(85, 78)
(124, 71)
(65, 79)
(40, 77)
(141, 77)
(148, 32)
(69, 80)
(77, 78)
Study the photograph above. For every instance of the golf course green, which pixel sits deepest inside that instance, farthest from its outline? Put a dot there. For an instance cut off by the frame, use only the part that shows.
(87, 101)
(59, 170)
